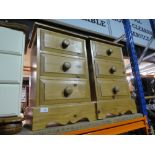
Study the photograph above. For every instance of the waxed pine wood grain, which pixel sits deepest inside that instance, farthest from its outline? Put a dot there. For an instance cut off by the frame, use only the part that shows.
(51, 40)
(53, 65)
(66, 93)
(104, 68)
(115, 107)
(63, 114)
(51, 81)
(110, 102)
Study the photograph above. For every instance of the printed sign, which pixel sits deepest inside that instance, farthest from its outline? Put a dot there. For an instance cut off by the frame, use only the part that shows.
(141, 28)
(100, 26)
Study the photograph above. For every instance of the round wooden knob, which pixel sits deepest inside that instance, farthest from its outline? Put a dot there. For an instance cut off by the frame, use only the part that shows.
(109, 52)
(66, 66)
(116, 90)
(112, 69)
(65, 43)
(68, 91)
(75, 115)
(98, 111)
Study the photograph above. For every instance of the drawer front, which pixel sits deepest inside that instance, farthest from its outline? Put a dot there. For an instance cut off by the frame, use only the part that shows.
(11, 40)
(10, 68)
(112, 88)
(52, 40)
(63, 91)
(9, 99)
(110, 68)
(106, 50)
(53, 64)
(115, 107)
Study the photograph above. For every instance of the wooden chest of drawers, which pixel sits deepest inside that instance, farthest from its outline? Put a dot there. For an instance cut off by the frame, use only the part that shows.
(112, 90)
(75, 78)
(60, 79)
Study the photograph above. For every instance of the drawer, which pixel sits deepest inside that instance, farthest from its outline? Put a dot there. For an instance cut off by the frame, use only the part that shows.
(11, 41)
(112, 88)
(9, 99)
(10, 68)
(65, 43)
(56, 91)
(106, 50)
(60, 65)
(110, 68)
(115, 107)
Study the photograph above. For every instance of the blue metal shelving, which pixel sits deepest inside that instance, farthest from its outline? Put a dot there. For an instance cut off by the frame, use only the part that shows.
(152, 22)
(135, 68)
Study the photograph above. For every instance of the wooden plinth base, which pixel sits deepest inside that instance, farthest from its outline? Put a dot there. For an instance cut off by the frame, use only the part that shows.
(10, 125)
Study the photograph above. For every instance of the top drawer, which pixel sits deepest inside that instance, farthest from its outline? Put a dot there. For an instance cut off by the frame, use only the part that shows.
(106, 50)
(68, 44)
(11, 41)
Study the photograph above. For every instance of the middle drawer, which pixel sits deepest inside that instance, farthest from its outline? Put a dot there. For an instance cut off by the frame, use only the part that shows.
(62, 65)
(63, 90)
(109, 68)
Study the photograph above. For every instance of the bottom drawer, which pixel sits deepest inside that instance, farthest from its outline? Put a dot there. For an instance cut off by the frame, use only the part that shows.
(64, 90)
(112, 88)
(62, 114)
(115, 107)
(9, 99)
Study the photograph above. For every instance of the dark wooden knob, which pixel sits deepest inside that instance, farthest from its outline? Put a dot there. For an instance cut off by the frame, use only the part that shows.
(98, 111)
(65, 43)
(109, 52)
(68, 91)
(112, 69)
(75, 115)
(66, 66)
(116, 90)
